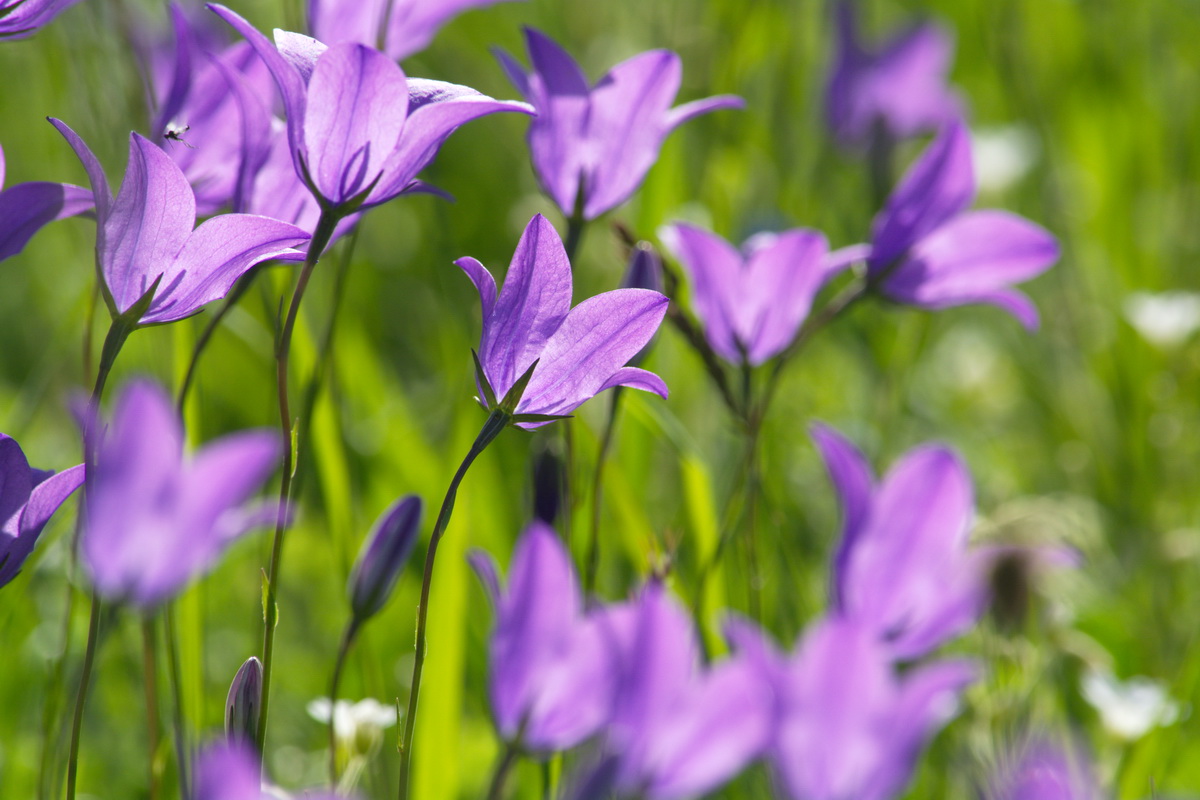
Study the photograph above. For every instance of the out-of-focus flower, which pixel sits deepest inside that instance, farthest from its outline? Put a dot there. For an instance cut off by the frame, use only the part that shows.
(22, 18)
(593, 145)
(552, 674)
(156, 519)
(28, 498)
(929, 251)
(1164, 318)
(231, 771)
(352, 135)
(1002, 155)
(26, 207)
(900, 88)
(1128, 709)
(1044, 770)
(145, 238)
(357, 726)
(243, 704)
(384, 554)
(574, 353)
(903, 568)
(398, 27)
(751, 301)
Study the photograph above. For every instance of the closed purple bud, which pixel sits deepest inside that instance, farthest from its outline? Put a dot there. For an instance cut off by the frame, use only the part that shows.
(244, 703)
(383, 556)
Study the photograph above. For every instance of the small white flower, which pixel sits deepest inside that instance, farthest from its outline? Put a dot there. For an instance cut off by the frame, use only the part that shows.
(1002, 155)
(367, 717)
(1164, 318)
(1129, 708)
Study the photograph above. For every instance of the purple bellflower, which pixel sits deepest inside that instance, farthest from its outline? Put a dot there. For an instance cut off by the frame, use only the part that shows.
(145, 239)
(22, 18)
(28, 498)
(384, 554)
(903, 567)
(156, 518)
(593, 145)
(353, 136)
(930, 252)
(552, 672)
(243, 704)
(899, 90)
(573, 353)
(398, 27)
(26, 207)
(231, 771)
(1044, 770)
(750, 301)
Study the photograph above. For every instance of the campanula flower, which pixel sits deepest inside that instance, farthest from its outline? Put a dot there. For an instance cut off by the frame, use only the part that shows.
(593, 145)
(26, 207)
(899, 89)
(398, 27)
(384, 554)
(1042, 769)
(751, 301)
(21, 18)
(156, 518)
(903, 567)
(552, 673)
(243, 704)
(574, 353)
(28, 498)
(929, 251)
(145, 237)
(352, 134)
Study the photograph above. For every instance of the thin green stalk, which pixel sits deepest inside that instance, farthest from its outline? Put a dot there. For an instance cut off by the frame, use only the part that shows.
(89, 658)
(343, 649)
(210, 328)
(150, 666)
(182, 751)
(503, 767)
(575, 227)
(606, 438)
(316, 246)
(496, 422)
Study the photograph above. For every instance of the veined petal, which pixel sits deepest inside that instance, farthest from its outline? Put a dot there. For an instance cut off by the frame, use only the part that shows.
(27, 207)
(854, 482)
(356, 111)
(95, 173)
(780, 281)
(596, 339)
(149, 221)
(485, 284)
(214, 256)
(254, 118)
(939, 185)
(636, 378)
(714, 267)
(302, 52)
(44, 500)
(16, 481)
(181, 75)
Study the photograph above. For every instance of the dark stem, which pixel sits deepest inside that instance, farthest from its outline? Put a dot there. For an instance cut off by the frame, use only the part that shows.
(316, 246)
(343, 649)
(575, 227)
(503, 767)
(89, 658)
(593, 557)
(880, 159)
(496, 422)
(89, 323)
(150, 665)
(182, 751)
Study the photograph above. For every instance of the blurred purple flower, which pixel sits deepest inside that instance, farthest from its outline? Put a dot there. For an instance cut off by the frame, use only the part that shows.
(146, 236)
(929, 251)
(900, 88)
(351, 134)
(579, 352)
(410, 24)
(155, 519)
(231, 771)
(845, 724)
(1044, 770)
(552, 672)
(26, 207)
(28, 498)
(753, 301)
(903, 568)
(593, 145)
(22, 18)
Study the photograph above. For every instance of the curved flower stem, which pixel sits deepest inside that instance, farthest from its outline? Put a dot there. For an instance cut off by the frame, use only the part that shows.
(316, 246)
(182, 752)
(210, 328)
(150, 665)
(344, 648)
(593, 557)
(503, 767)
(81, 698)
(496, 422)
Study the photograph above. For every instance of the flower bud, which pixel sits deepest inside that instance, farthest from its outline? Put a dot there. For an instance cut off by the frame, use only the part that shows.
(644, 272)
(244, 703)
(384, 554)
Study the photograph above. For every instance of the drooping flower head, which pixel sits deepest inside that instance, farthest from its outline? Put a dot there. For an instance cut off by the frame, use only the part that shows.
(398, 27)
(145, 238)
(595, 143)
(750, 301)
(28, 498)
(579, 352)
(358, 130)
(156, 518)
(22, 18)
(929, 251)
(899, 88)
(27, 207)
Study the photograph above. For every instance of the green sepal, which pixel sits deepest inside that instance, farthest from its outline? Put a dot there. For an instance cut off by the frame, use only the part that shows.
(513, 397)
(485, 386)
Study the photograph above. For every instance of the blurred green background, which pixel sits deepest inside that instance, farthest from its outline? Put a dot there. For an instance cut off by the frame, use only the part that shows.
(1084, 433)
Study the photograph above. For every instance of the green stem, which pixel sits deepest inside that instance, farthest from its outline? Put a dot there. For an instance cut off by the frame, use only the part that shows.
(503, 767)
(182, 751)
(575, 227)
(496, 422)
(343, 649)
(316, 246)
(150, 665)
(81, 697)
(210, 328)
(593, 557)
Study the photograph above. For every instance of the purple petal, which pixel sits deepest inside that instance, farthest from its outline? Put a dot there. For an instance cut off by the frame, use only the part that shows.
(636, 378)
(779, 282)
(356, 112)
(226, 474)
(681, 114)
(44, 500)
(841, 259)
(910, 86)
(515, 73)
(27, 207)
(939, 185)
(254, 119)
(181, 75)
(596, 339)
(489, 575)
(714, 268)
(576, 691)
(214, 257)
(95, 173)
(413, 23)
(302, 52)
(228, 772)
(854, 482)
(485, 284)
(335, 21)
